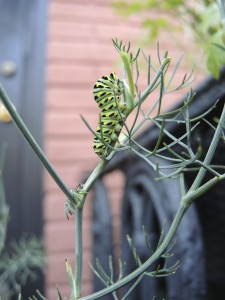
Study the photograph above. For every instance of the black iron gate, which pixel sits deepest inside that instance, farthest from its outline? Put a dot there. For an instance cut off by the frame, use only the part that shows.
(200, 238)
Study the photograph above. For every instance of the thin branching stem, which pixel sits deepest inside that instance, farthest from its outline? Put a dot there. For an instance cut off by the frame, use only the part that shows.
(212, 148)
(133, 287)
(179, 164)
(94, 175)
(156, 255)
(32, 142)
(78, 251)
(148, 90)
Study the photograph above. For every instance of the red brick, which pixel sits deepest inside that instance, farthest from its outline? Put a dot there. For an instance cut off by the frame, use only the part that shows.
(81, 52)
(74, 32)
(67, 150)
(57, 269)
(54, 207)
(71, 75)
(79, 12)
(116, 197)
(72, 174)
(70, 124)
(77, 100)
(59, 236)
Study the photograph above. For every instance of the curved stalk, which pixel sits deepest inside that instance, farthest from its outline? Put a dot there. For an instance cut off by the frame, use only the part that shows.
(31, 141)
(170, 235)
(78, 251)
(127, 67)
(210, 152)
(94, 175)
(145, 94)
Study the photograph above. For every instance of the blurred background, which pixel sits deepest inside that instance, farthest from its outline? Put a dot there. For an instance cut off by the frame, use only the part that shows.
(51, 54)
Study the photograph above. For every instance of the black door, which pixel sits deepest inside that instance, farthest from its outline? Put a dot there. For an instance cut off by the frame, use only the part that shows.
(22, 53)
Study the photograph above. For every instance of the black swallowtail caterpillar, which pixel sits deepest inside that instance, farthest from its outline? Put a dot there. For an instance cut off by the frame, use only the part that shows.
(107, 92)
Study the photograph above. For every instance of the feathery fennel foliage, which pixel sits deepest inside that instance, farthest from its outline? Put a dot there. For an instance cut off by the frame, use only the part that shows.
(199, 21)
(186, 159)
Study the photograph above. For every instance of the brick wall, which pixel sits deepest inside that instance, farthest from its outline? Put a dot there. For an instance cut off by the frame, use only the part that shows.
(79, 51)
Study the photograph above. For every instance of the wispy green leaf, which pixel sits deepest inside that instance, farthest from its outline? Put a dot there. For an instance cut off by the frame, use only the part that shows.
(215, 55)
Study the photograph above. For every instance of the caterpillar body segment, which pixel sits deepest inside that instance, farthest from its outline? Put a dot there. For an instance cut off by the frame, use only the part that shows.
(107, 93)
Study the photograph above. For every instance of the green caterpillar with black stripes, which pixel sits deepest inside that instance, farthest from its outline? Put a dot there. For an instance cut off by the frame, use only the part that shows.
(107, 93)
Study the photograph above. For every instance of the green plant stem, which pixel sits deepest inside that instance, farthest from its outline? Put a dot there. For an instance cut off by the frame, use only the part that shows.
(78, 225)
(102, 164)
(2, 157)
(4, 215)
(160, 250)
(78, 251)
(133, 286)
(94, 175)
(36, 148)
(4, 209)
(2, 190)
(184, 205)
(127, 66)
(164, 63)
(212, 148)
(192, 195)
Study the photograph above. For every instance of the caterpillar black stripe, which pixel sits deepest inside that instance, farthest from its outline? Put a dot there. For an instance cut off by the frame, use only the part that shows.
(107, 93)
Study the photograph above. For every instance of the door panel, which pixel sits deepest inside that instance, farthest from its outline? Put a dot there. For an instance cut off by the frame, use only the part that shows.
(22, 42)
